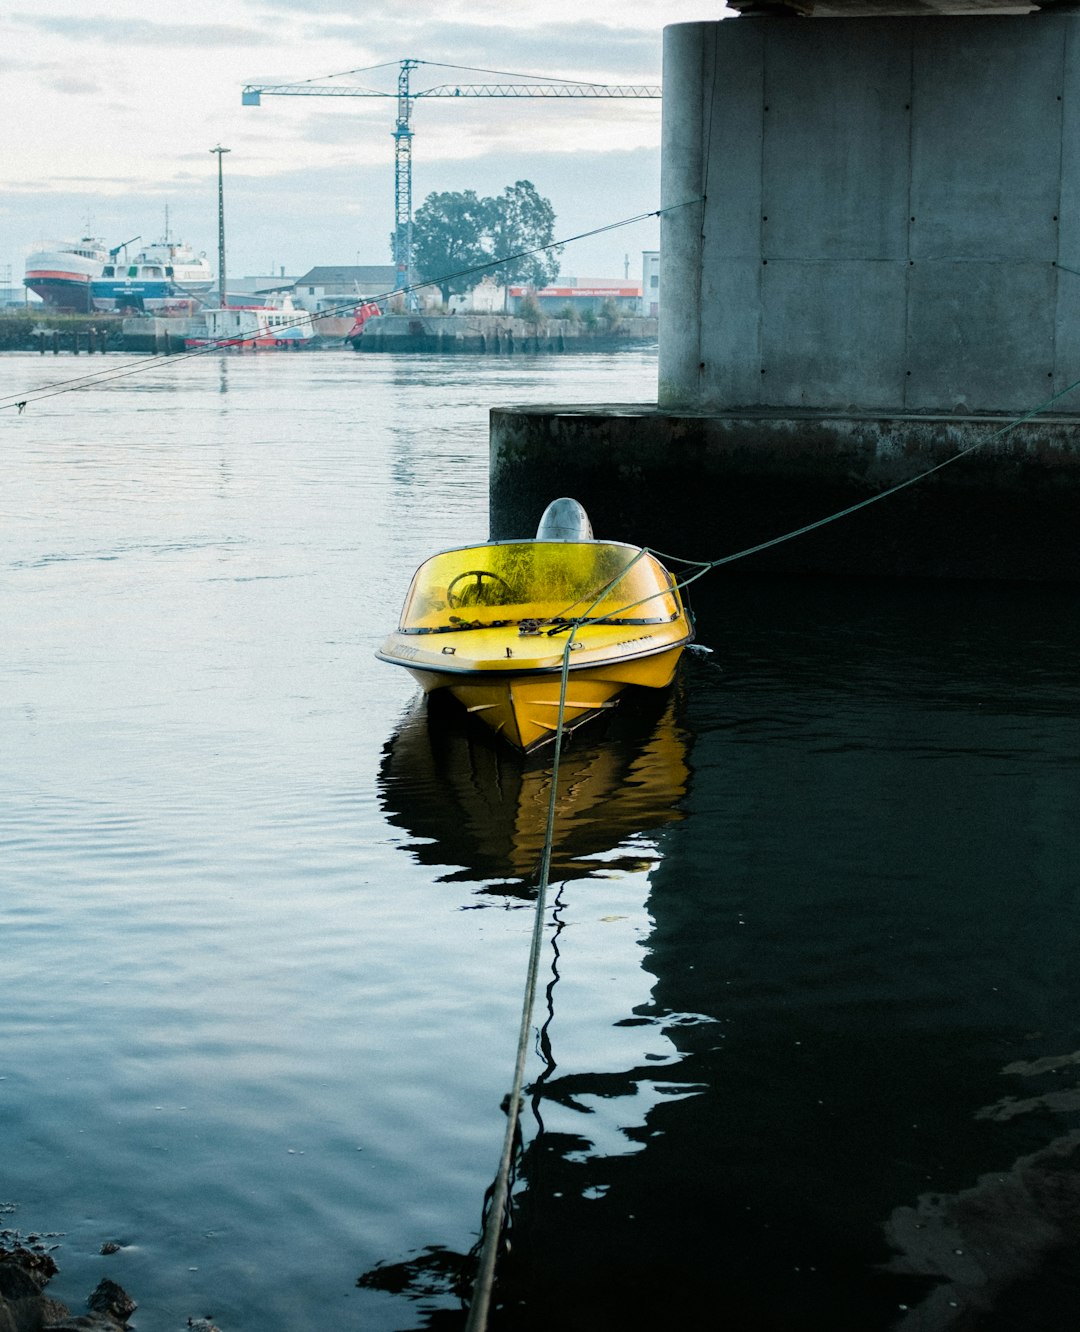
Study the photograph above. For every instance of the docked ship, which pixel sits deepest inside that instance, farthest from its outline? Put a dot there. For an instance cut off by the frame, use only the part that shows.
(255, 327)
(167, 278)
(62, 273)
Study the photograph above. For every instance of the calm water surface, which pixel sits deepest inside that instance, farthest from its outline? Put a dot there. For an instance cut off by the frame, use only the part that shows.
(808, 1051)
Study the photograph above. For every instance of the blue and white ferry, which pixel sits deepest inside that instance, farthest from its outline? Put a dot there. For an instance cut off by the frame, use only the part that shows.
(165, 278)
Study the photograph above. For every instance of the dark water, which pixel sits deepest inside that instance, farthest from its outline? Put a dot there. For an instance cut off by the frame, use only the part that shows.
(808, 1047)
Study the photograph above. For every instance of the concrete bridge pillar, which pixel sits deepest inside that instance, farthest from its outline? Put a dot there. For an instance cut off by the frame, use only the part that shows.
(871, 260)
(887, 203)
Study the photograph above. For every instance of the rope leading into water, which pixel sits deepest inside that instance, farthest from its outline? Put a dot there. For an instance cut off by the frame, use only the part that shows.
(493, 1224)
(480, 1303)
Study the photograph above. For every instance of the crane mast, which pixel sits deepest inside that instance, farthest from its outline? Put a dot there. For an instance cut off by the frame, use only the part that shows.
(403, 179)
(403, 132)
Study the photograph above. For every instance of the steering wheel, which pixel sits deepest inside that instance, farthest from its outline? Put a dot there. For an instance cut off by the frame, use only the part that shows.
(473, 595)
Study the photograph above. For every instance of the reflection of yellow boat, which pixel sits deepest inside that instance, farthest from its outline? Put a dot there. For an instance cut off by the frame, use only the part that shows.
(470, 804)
(491, 623)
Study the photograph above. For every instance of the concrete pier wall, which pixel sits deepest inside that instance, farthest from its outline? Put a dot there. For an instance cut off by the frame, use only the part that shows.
(703, 485)
(500, 335)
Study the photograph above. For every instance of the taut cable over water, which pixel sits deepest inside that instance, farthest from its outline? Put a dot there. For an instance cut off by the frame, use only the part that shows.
(20, 401)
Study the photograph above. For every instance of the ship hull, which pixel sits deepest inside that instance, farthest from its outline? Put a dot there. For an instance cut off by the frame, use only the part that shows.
(67, 293)
(148, 297)
(62, 274)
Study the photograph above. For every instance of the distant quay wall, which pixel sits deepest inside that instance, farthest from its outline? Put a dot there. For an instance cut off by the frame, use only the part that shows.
(50, 332)
(494, 335)
(24, 331)
(501, 335)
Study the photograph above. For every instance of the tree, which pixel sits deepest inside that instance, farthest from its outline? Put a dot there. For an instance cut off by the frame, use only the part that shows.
(522, 229)
(449, 232)
(504, 237)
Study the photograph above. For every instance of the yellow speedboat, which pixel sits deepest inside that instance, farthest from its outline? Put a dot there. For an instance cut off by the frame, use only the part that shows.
(490, 624)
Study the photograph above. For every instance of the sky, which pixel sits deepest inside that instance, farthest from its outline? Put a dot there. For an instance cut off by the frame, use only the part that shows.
(108, 117)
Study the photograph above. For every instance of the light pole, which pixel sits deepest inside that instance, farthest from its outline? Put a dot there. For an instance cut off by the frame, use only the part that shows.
(222, 298)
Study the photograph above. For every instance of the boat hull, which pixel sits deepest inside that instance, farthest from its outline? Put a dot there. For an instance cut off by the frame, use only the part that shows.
(523, 707)
(257, 342)
(148, 297)
(62, 275)
(67, 293)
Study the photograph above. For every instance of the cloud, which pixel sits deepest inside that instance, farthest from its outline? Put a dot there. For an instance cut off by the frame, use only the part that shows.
(311, 180)
(143, 32)
(335, 213)
(73, 84)
(64, 185)
(450, 130)
(645, 14)
(549, 50)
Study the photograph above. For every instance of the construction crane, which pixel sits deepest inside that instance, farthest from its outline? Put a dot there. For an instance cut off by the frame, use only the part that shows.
(537, 86)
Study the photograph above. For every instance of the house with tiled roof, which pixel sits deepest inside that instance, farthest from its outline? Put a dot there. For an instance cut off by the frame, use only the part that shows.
(329, 285)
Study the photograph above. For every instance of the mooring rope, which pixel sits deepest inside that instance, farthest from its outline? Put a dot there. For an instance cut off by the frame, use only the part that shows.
(496, 1214)
(705, 566)
(493, 1223)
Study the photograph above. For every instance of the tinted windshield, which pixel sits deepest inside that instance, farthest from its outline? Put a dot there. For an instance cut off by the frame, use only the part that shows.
(538, 580)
